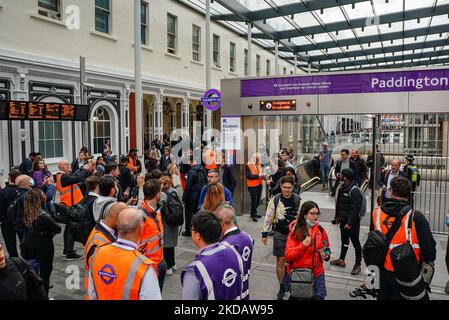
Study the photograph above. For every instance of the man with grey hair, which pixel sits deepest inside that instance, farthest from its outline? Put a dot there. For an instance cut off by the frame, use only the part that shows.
(241, 241)
(119, 271)
(387, 177)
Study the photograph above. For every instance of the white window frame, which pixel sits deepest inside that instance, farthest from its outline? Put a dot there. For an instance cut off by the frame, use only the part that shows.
(54, 139)
(109, 18)
(232, 57)
(147, 25)
(216, 51)
(258, 65)
(198, 51)
(51, 14)
(174, 35)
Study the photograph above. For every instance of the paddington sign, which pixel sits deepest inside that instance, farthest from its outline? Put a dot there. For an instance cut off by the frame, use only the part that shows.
(378, 82)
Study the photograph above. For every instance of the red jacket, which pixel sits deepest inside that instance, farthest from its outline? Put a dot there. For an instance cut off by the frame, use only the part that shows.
(300, 256)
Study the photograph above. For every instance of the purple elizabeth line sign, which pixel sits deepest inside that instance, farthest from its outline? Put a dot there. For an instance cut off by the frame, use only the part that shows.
(402, 81)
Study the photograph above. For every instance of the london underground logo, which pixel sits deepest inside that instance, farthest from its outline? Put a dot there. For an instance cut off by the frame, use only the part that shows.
(229, 277)
(246, 253)
(107, 274)
(212, 99)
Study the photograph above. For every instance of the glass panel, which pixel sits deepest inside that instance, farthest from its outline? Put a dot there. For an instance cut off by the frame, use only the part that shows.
(58, 130)
(41, 130)
(171, 24)
(143, 13)
(49, 149)
(107, 129)
(102, 4)
(49, 133)
(49, 4)
(101, 21)
(42, 148)
(143, 36)
(58, 148)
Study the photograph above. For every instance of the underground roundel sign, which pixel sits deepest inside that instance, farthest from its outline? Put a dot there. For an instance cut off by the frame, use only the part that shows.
(107, 274)
(212, 99)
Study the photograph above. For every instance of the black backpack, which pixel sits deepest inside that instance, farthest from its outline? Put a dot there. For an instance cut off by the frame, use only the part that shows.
(34, 283)
(173, 210)
(78, 221)
(377, 244)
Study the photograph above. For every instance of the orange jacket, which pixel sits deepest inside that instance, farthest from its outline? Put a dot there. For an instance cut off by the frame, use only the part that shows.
(65, 193)
(254, 170)
(96, 239)
(210, 162)
(132, 164)
(118, 273)
(379, 221)
(153, 234)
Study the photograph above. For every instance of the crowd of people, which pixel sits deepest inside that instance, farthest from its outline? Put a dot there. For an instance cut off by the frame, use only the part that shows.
(131, 223)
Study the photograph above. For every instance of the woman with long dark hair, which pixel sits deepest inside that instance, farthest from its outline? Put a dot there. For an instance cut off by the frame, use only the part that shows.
(308, 246)
(40, 228)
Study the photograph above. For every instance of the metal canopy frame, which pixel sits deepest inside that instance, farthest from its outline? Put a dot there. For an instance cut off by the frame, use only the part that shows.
(368, 43)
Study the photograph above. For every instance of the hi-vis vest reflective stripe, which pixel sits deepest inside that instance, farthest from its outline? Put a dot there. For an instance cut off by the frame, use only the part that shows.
(65, 193)
(118, 273)
(132, 165)
(98, 239)
(401, 236)
(152, 235)
(254, 171)
(210, 161)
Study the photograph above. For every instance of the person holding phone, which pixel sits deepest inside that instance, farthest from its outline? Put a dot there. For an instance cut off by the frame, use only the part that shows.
(308, 246)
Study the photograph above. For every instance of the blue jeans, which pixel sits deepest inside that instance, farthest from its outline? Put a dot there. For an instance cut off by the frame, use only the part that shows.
(324, 172)
(34, 265)
(320, 287)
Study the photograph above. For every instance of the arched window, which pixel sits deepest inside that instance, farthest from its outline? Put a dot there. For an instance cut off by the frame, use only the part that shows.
(102, 128)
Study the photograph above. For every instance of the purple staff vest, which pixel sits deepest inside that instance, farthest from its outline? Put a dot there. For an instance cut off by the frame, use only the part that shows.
(244, 244)
(219, 270)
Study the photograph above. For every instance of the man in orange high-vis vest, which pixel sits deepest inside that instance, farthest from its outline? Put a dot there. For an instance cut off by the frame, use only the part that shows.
(133, 162)
(421, 237)
(254, 179)
(151, 242)
(118, 271)
(104, 232)
(67, 184)
(210, 159)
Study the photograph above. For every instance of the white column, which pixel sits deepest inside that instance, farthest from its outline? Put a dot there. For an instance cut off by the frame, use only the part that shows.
(250, 50)
(157, 119)
(185, 117)
(207, 119)
(138, 77)
(276, 57)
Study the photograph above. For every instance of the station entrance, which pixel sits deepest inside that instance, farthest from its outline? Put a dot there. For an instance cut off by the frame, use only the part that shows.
(399, 122)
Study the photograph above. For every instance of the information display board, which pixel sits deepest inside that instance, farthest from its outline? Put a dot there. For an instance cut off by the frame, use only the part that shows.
(43, 111)
(230, 133)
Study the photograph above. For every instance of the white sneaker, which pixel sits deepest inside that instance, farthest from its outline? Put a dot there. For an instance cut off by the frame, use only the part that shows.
(174, 268)
(169, 272)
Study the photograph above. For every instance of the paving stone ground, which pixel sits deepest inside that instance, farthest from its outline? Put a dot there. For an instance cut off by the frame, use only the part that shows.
(67, 277)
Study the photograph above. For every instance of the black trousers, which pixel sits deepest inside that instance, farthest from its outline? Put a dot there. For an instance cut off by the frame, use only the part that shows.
(354, 235)
(162, 270)
(256, 194)
(188, 214)
(69, 243)
(169, 256)
(447, 256)
(42, 249)
(9, 235)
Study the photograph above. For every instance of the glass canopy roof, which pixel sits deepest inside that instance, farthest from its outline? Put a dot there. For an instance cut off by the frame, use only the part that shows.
(332, 35)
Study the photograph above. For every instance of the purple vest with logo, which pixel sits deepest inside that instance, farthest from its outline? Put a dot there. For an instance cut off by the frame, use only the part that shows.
(219, 270)
(244, 244)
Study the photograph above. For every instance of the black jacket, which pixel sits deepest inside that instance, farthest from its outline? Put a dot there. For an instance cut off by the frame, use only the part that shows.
(163, 163)
(7, 196)
(348, 206)
(360, 169)
(196, 180)
(384, 177)
(125, 178)
(229, 180)
(88, 201)
(427, 244)
(12, 283)
(26, 167)
(45, 225)
(352, 165)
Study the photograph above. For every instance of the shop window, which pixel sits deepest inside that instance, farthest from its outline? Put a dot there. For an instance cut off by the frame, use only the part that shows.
(102, 129)
(50, 139)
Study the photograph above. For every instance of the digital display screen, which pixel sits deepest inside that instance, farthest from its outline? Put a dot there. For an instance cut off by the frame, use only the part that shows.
(278, 105)
(42, 111)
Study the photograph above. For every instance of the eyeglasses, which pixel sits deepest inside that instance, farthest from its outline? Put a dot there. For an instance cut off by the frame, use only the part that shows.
(316, 214)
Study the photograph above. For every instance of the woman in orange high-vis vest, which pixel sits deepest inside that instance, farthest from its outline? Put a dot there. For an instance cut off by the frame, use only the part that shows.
(210, 160)
(254, 179)
(151, 244)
